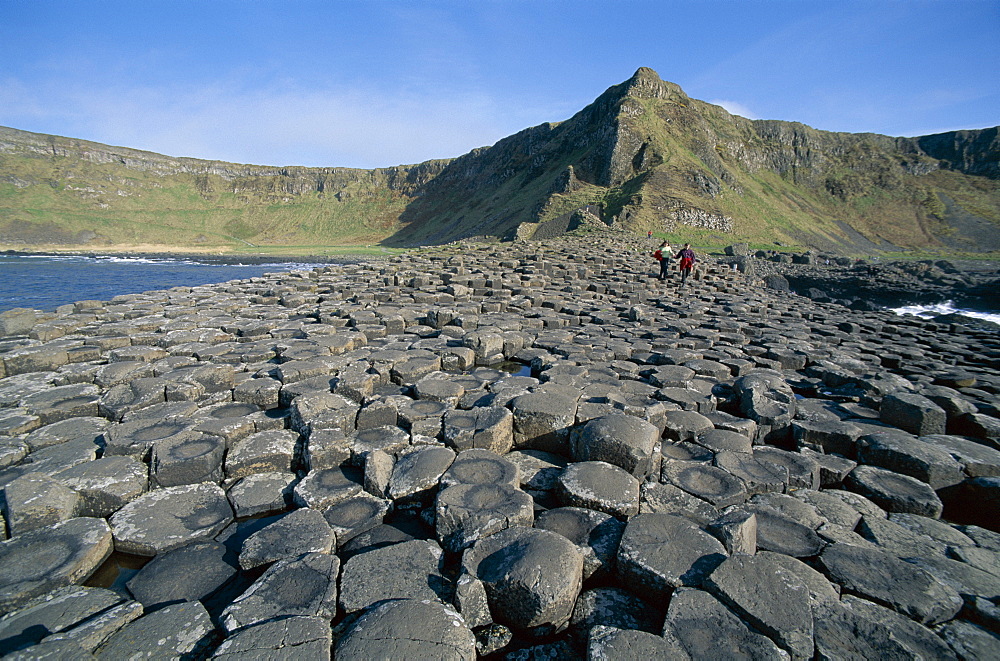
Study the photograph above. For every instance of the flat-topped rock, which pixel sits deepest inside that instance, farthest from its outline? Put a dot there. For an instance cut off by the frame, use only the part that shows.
(296, 533)
(911, 456)
(408, 628)
(188, 573)
(622, 440)
(262, 493)
(165, 519)
(710, 483)
(614, 607)
(465, 513)
(39, 561)
(309, 636)
(60, 610)
(408, 570)
(767, 596)
(659, 552)
(597, 535)
(35, 500)
(704, 627)
(105, 485)
(480, 466)
(356, 515)
(173, 632)
(885, 579)
(895, 492)
(297, 586)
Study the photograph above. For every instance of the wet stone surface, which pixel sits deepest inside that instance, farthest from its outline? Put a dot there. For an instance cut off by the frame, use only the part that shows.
(499, 449)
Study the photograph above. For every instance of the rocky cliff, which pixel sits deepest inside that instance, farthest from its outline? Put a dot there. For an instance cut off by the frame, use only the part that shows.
(61, 190)
(653, 158)
(644, 154)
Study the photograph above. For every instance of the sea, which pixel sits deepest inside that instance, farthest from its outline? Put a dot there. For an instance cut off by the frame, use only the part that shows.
(44, 282)
(948, 307)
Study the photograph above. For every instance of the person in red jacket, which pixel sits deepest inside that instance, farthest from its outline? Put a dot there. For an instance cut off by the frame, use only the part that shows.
(662, 255)
(687, 257)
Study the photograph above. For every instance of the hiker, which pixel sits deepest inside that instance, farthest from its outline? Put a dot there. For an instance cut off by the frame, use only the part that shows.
(649, 234)
(686, 255)
(662, 255)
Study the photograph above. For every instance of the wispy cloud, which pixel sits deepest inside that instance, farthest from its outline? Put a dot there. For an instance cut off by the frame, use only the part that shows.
(352, 127)
(735, 108)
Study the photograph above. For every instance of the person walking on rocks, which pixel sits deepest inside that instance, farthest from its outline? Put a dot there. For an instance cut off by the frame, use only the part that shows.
(687, 257)
(662, 255)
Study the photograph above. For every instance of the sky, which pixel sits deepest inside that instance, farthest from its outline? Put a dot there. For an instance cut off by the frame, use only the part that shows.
(377, 83)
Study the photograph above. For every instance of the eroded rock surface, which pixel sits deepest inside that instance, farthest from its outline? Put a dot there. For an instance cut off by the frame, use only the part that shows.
(533, 450)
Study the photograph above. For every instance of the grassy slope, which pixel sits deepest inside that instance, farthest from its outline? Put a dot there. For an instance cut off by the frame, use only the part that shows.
(68, 197)
(883, 203)
(125, 206)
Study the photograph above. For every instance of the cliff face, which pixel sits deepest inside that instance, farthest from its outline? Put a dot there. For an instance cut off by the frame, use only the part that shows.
(402, 178)
(650, 157)
(643, 154)
(971, 152)
(62, 190)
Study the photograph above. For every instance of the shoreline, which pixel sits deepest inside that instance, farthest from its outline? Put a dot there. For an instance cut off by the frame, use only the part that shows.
(865, 285)
(204, 257)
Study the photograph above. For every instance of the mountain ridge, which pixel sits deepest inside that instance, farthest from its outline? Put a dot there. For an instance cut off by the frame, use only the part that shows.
(642, 156)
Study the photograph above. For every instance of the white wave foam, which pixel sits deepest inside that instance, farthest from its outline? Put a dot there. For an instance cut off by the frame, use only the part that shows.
(115, 259)
(948, 307)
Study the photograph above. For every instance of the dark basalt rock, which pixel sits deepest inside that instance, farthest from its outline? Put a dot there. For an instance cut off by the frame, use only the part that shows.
(189, 573)
(174, 631)
(39, 561)
(408, 629)
(336, 461)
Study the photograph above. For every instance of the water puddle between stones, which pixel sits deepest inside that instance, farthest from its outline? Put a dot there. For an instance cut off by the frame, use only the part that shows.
(116, 571)
(514, 368)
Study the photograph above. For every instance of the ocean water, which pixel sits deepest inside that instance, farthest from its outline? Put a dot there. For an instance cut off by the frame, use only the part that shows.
(948, 307)
(46, 282)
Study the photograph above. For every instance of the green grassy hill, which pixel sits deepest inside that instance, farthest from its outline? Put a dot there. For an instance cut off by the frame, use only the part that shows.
(644, 153)
(71, 192)
(654, 159)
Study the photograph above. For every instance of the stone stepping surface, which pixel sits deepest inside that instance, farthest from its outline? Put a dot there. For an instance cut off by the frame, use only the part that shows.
(505, 450)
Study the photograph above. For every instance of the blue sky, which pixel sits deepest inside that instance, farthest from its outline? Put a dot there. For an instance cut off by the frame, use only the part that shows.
(387, 82)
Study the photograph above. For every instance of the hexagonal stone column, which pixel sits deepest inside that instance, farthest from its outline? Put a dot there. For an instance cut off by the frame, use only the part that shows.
(600, 486)
(486, 427)
(623, 440)
(305, 585)
(510, 563)
(408, 629)
(596, 534)
(187, 459)
(914, 413)
(771, 599)
(36, 500)
(465, 513)
(894, 492)
(660, 552)
(542, 421)
(408, 570)
(478, 466)
(168, 518)
(44, 559)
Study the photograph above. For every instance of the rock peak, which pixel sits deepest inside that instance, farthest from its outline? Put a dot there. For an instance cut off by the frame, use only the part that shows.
(646, 83)
(646, 73)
